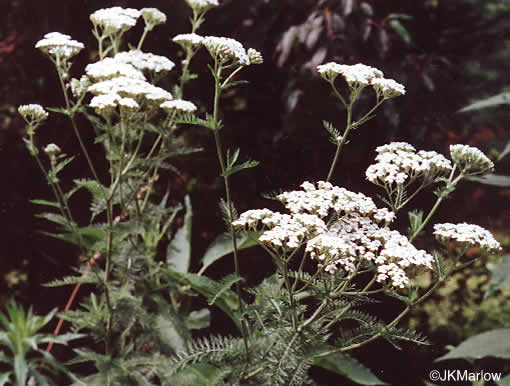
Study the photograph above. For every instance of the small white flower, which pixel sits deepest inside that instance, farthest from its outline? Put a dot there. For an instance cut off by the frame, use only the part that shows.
(467, 235)
(153, 17)
(59, 45)
(202, 5)
(226, 49)
(33, 113)
(52, 149)
(179, 105)
(186, 40)
(470, 160)
(115, 19)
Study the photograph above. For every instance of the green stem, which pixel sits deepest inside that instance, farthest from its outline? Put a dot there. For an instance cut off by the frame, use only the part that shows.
(144, 34)
(217, 93)
(451, 184)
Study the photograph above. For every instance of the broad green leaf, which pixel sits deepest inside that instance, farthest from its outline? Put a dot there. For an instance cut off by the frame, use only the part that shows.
(178, 253)
(171, 330)
(496, 100)
(398, 27)
(500, 277)
(494, 343)
(44, 202)
(198, 319)
(349, 368)
(222, 246)
(491, 179)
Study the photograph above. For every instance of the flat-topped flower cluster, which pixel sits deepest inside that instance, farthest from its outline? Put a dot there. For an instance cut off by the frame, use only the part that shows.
(466, 236)
(357, 232)
(398, 163)
(121, 81)
(358, 76)
(470, 160)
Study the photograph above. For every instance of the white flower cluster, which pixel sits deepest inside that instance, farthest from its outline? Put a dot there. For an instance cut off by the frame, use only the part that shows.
(188, 40)
(327, 198)
(145, 61)
(59, 45)
(359, 235)
(398, 163)
(109, 68)
(106, 103)
(359, 76)
(115, 19)
(388, 88)
(33, 113)
(255, 56)
(153, 17)
(178, 105)
(470, 160)
(202, 5)
(356, 238)
(129, 87)
(467, 235)
(226, 49)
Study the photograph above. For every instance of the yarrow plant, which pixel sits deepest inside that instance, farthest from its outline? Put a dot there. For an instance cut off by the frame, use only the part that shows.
(333, 249)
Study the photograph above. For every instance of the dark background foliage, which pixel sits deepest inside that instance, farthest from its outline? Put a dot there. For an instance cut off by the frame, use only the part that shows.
(445, 52)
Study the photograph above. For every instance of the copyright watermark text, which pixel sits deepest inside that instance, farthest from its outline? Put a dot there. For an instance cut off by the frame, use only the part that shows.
(463, 375)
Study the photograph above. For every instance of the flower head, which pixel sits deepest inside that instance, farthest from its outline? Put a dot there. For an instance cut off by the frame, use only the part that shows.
(399, 163)
(178, 105)
(387, 88)
(255, 56)
(188, 40)
(59, 46)
(51, 149)
(466, 236)
(33, 114)
(226, 49)
(358, 75)
(109, 68)
(470, 160)
(202, 5)
(153, 17)
(115, 19)
(129, 87)
(145, 61)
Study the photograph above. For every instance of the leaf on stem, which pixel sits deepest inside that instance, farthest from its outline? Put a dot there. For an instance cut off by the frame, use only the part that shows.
(178, 253)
